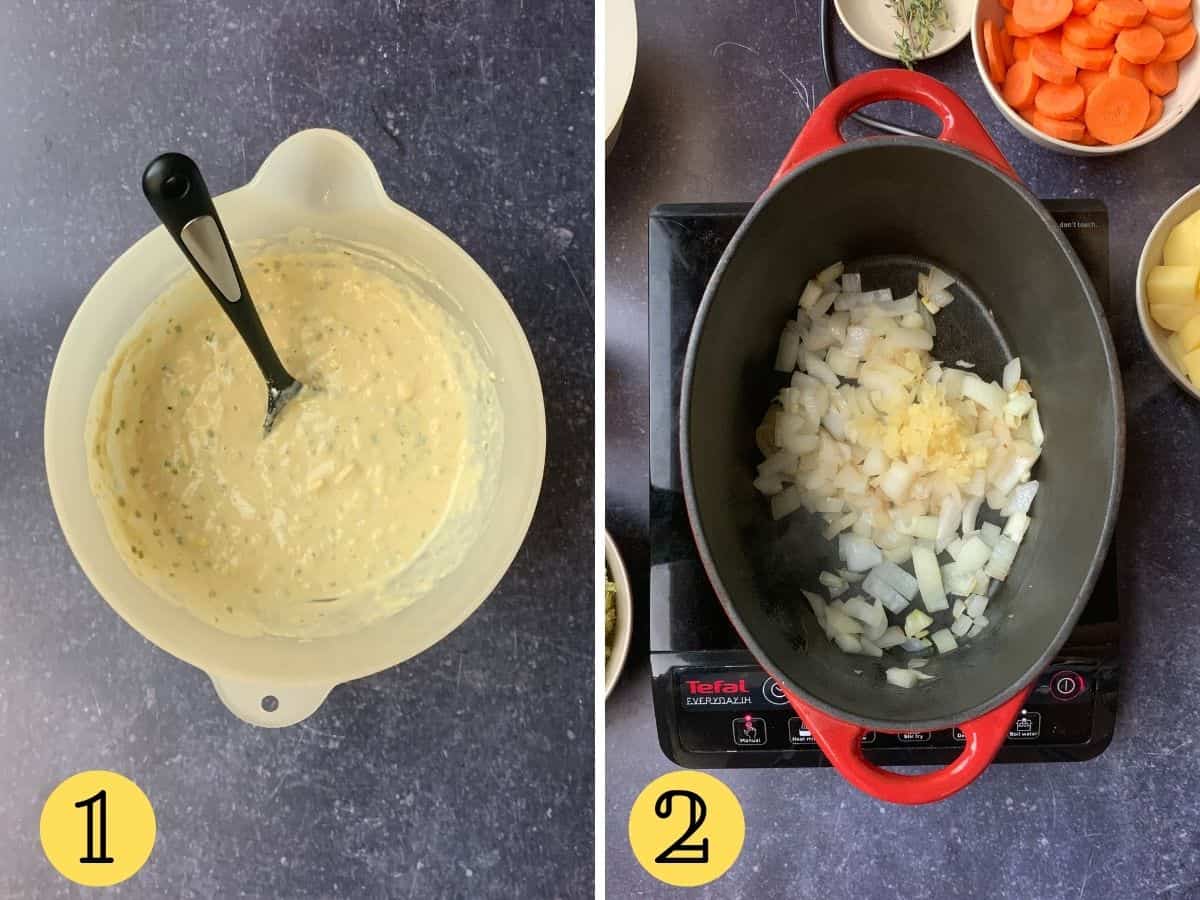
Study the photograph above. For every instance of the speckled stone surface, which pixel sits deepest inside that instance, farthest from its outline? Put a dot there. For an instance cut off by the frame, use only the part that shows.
(466, 772)
(721, 90)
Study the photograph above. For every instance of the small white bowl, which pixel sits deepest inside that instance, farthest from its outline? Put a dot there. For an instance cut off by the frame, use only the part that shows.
(872, 24)
(1152, 254)
(620, 61)
(1176, 105)
(624, 630)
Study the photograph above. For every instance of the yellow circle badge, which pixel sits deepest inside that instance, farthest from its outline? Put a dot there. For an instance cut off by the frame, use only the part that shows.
(686, 828)
(97, 828)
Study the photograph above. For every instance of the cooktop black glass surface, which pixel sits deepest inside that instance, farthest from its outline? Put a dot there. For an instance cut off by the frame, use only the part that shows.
(714, 705)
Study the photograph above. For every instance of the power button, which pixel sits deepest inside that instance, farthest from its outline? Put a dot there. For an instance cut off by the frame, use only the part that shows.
(1066, 685)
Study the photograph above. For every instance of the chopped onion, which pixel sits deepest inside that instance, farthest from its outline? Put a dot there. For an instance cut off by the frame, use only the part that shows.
(1001, 559)
(1037, 436)
(976, 604)
(812, 293)
(900, 580)
(786, 502)
(835, 584)
(851, 282)
(1016, 526)
(937, 280)
(915, 645)
(859, 553)
(987, 394)
(828, 276)
(847, 643)
(989, 533)
(789, 348)
(901, 678)
(944, 640)
(929, 579)
(1021, 499)
(893, 636)
(1012, 374)
(949, 519)
(961, 626)
(916, 622)
(868, 648)
(975, 554)
(980, 624)
(970, 513)
(959, 607)
(884, 592)
(768, 484)
(851, 577)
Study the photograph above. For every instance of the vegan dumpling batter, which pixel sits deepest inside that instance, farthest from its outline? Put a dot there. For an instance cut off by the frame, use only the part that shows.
(377, 453)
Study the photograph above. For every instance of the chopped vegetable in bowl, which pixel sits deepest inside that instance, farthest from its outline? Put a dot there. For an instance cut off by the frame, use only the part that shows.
(900, 454)
(610, 613)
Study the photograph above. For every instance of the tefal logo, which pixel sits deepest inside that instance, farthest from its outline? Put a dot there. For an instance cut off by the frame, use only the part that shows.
(720, 686)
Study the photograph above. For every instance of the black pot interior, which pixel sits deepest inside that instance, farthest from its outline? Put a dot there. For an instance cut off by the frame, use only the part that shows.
(887, 206)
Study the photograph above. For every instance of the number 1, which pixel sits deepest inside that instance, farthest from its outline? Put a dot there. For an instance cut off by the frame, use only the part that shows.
(99, 799)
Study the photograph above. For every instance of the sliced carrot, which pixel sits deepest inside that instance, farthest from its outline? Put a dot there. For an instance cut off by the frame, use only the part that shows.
(1051, 40)
(1057, 128)
(1161, 77)
(1117, 110)
(1020, 85)
(1083, 7)
(1178, 45)
(1088, 139)
(1123, 68)
(1122, 13)
(1096, 60)
(1011, 26)
(1060, 101)
(1156, 111)
(1169, 26)
(995, 55)
(1080, 32)
(1020, 49)
(1168, 8)
(1089, 80)
(1051, 66)
(1041, 15)
(1140, 45)
(1096, 22)
(1006, 49)
(1007, 4)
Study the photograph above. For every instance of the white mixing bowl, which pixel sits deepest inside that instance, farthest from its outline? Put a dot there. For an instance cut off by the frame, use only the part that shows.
(321, 181)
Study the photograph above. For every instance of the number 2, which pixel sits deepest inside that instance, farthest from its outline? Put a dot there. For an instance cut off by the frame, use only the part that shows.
(680, 851)
(98, 800)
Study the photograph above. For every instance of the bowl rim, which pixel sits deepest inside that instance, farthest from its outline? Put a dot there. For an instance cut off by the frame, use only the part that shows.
(615, 566)
(957, 35)
(175, 642)
(1173, 214)
(1054, 143)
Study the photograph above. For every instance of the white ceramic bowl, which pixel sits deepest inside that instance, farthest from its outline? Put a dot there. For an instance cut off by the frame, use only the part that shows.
(620, 61)
(873, 24)
(624, 630)
(1152, 254)
(323, 181)
(1176, 105)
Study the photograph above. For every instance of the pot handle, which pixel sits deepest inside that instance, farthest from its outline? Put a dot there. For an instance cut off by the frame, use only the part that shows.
(959, 126)
(841, 742)
(267, 706)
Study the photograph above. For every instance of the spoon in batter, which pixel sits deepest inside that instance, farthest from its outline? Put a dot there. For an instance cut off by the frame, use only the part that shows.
(177, 192)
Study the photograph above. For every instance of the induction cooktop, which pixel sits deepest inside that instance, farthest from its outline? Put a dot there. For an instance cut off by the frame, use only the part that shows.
(714, 706)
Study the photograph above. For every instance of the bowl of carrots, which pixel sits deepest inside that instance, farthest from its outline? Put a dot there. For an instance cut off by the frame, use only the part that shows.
(1089, 77)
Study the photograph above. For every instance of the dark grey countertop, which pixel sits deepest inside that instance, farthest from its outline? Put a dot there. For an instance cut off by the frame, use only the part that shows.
(456, 774)
(721, 90)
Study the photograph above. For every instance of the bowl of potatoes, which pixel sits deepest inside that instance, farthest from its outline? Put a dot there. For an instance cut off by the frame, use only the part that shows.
(1168, 291)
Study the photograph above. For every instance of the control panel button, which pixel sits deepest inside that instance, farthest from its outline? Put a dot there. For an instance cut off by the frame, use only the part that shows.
(749, 731)
(915, 737)
(1066, 685)
(1026, 727)
(868, 738)
(798, 734)
(959, 735)
(773, 693)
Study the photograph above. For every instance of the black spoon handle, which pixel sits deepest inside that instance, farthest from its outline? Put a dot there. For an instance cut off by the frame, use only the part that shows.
(177, 192)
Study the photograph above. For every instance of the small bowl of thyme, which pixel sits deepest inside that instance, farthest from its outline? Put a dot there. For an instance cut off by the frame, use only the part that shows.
(618, 614)
(907, 30)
